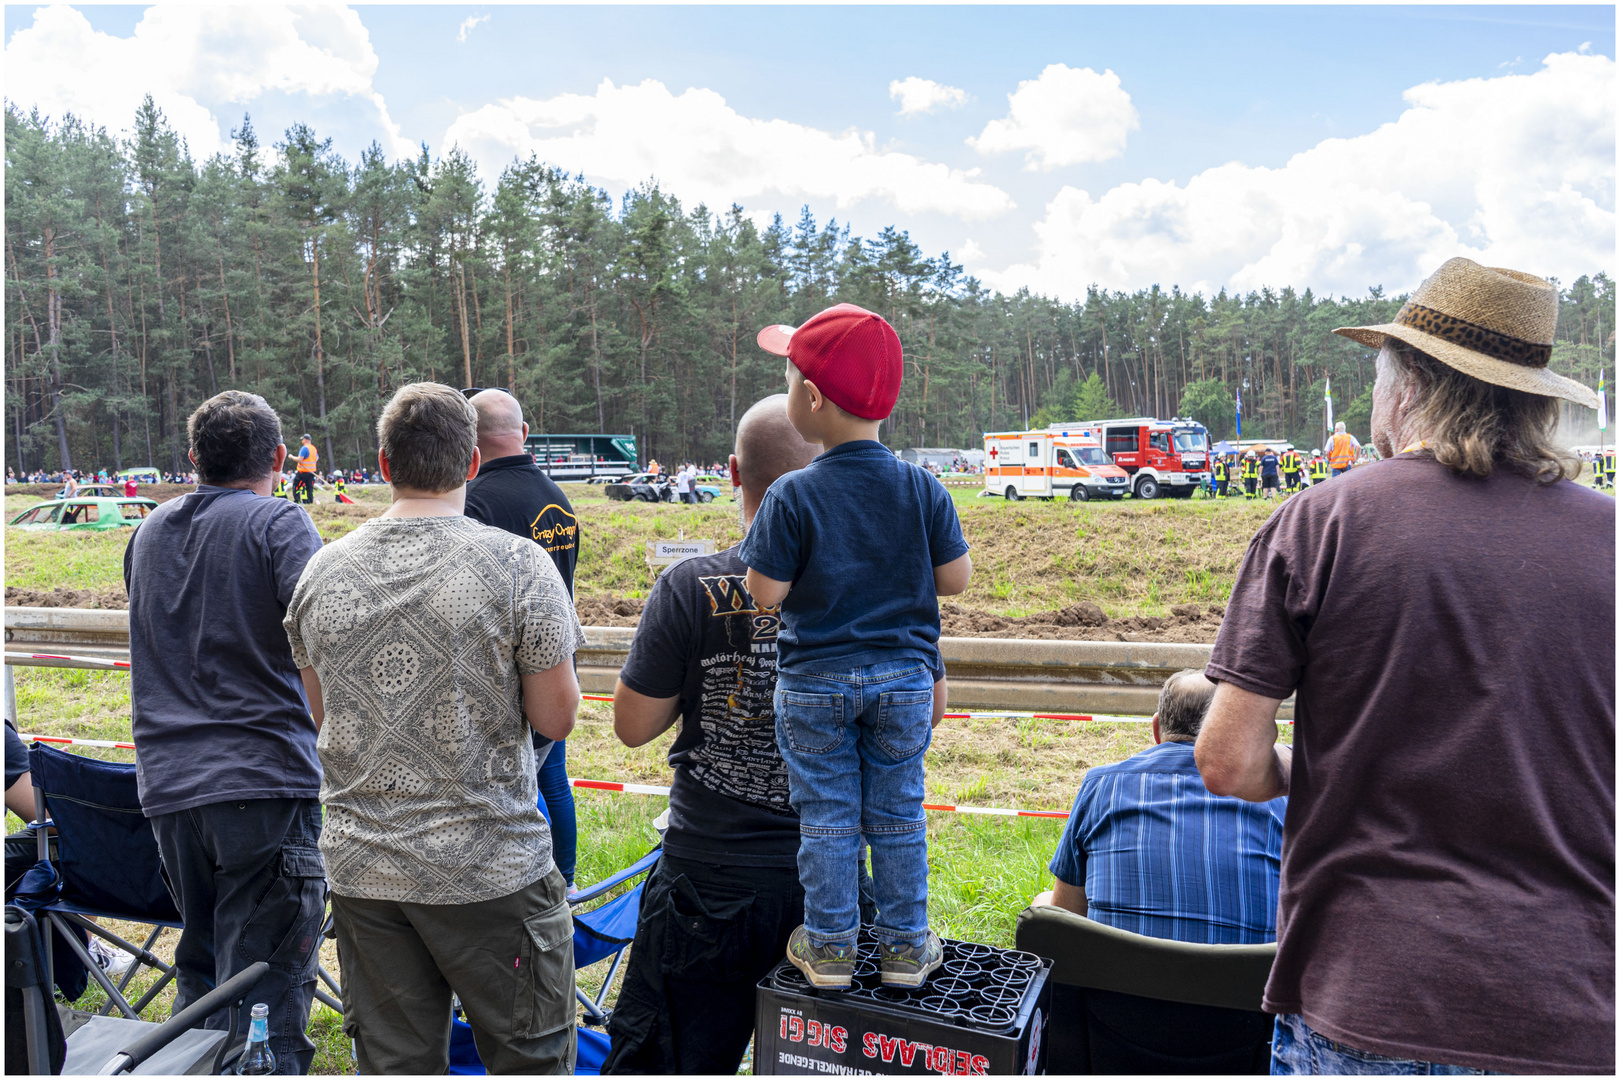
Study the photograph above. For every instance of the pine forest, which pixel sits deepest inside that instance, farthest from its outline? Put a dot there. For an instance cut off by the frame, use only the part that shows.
(140, 282)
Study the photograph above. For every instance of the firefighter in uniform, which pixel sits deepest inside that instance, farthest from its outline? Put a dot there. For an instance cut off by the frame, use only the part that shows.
(281, 486)
(338, 485)
(1319, 468)
(1608, 468)
(1220, 478)
(1293, 469)
(1251, 476)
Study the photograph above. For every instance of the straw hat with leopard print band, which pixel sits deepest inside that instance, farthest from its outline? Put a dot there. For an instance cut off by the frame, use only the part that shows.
(1494, 324)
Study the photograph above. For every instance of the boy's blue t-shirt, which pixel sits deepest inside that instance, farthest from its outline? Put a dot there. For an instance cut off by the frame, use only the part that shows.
(858, 533)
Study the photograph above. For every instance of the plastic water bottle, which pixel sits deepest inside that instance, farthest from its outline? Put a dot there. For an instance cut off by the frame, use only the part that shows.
(257, 1060)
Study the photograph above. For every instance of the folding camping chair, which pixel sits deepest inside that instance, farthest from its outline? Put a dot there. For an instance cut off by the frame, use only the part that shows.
(106, 1045)
(602, 933)
(106, 865)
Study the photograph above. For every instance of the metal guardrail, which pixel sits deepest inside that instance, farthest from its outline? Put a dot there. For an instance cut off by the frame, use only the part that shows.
(1014, 674)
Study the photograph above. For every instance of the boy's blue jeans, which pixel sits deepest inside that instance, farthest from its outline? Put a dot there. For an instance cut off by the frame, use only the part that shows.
(853, 742)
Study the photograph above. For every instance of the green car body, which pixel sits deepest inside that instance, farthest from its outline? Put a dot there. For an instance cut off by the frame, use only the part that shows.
(97, 514)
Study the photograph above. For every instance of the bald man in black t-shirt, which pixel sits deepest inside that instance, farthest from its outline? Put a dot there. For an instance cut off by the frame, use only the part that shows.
(511, 493)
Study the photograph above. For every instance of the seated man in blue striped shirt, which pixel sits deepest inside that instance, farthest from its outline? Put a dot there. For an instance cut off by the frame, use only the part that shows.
(1148, 849)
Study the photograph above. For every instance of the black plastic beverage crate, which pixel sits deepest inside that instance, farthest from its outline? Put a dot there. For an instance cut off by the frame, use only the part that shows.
(983, 1013)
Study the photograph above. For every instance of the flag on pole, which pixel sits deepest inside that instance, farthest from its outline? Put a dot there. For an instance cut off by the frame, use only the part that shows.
(1328, 397)
(1603, 404)
(1239, 415)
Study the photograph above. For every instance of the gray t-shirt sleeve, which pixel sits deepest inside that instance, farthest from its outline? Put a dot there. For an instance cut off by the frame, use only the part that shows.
(293, 623)
(547, 629)
(292, 541)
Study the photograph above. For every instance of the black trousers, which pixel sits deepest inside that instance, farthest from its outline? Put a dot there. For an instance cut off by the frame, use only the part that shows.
(303, 487)
(706, 935)
(250, 885)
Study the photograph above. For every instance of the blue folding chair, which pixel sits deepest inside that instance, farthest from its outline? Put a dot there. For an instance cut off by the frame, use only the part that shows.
(106, 865)
(601, 933)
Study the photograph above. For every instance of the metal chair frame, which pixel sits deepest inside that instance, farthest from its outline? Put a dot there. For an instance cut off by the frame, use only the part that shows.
(596, 1009)
(60, 917)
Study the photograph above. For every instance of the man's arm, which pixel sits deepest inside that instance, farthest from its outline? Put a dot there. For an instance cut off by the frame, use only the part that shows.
(952, 578)
(1237, 751)
(639, 719)
(312, 691)
(1063, 895)
(551, 699)
(767, 592)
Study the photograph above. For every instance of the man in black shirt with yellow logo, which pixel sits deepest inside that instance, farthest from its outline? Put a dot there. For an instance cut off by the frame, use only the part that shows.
(511, 493)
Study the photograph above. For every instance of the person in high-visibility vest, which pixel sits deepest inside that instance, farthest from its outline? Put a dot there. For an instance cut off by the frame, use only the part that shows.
(1608, 468)
(1343, 449)
(340, 486)
(1319, 468)
(1293, 469)
(1220, 478)
(1251, 476)
(281, 486)
(304, 479)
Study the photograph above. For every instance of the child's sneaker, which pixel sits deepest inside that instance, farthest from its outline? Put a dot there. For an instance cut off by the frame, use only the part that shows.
(910, 965)
(828, 967)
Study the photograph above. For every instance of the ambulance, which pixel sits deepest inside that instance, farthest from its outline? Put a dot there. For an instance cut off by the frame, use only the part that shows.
(1055, 464)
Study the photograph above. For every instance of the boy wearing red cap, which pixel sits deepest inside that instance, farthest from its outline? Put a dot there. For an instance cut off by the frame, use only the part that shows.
(856, 548)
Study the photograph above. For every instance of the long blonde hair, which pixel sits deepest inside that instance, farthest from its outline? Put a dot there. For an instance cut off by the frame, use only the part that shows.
(1472, 426)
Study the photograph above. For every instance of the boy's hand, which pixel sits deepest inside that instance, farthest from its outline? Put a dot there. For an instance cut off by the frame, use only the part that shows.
(768, 592)
(949, 579)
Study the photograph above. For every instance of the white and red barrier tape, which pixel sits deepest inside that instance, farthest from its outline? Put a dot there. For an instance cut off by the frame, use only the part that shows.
(654, 789)
(605, 785)
(98, 662)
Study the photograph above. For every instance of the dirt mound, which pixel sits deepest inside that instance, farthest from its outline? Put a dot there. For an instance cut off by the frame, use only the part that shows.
(608, 610)
(62, 596)
(1084, 621)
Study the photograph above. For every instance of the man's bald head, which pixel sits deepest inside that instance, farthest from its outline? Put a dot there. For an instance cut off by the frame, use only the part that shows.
(501, 430)
(767, 447)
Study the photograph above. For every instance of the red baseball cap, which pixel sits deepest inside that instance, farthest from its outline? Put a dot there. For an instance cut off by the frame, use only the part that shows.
(851, 354)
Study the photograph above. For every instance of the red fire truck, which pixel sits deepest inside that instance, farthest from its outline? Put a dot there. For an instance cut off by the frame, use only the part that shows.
(1161, 457)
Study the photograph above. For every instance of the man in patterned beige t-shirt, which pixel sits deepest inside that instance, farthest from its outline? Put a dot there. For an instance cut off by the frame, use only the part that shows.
(430, 645)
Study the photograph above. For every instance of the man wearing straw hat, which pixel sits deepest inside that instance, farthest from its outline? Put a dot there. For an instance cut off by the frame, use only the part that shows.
(1447, 890)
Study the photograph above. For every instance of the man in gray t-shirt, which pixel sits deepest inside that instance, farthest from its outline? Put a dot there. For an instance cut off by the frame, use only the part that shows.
(431, 646)
(224, 746)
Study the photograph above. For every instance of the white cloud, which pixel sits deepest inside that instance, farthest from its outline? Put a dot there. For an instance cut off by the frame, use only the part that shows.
(467, 25)
(700, 149)
(192, 60)
(1513, 171)
(1067, 116)
(918, 96)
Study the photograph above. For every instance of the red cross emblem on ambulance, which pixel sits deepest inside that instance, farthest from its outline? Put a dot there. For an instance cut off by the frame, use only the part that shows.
(994, 453)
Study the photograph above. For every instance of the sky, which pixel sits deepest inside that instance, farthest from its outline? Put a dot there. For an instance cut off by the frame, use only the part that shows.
(1049, 147)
